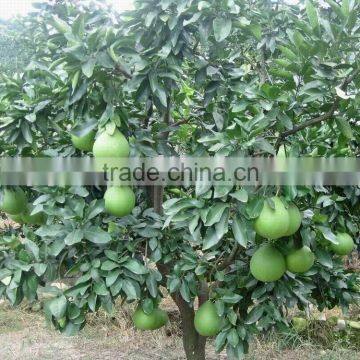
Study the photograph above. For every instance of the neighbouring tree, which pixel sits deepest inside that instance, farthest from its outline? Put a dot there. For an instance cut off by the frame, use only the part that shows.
(184, 77)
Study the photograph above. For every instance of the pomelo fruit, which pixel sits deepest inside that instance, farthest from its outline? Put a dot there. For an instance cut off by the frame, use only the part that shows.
(300, 260)
(272, 223)
(84, 143)
(207, 322)
(119, 200)
(267, 264)
(13, 201)
(111, 146)
(162, 317)
(345, 244)
(152, 321)
(294, 220)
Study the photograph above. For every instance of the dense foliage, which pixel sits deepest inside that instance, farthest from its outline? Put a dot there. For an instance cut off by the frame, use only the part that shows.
(235, 77)
(14, 50)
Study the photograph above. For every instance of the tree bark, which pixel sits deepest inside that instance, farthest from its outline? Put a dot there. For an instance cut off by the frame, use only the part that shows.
(194, 344)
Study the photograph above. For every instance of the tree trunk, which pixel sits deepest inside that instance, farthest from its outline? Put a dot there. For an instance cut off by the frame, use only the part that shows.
(194, 344)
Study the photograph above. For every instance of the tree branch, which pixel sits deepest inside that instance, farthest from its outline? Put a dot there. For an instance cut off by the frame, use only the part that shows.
(320, 118)
(230, 259)
(119, 69)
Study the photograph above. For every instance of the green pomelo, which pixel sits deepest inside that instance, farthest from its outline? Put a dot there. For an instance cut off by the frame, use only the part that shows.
(162, 317)
(119, 200)
(294, 220)
(84, 143)
(299, 324)
(267, 264)
(152, 321)
(345, 244)
(300, 260)
(111, 146)
(207, 322)
(272, 223)
(13, 201)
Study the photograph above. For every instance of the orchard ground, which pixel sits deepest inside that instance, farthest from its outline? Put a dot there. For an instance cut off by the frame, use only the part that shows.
(25, 335)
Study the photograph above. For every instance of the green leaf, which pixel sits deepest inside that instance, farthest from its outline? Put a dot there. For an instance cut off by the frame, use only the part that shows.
(131, 289)
(336, 8)
(324, 258)
(203, 5)
(112, 277)
(312, 14)
(96, 207)
(193, 19)
(222, 28)
(240, 195)
(342, 94)
(289, 54)
(264, 145)
(345, 8)
(231, 299)
(222, 226)
(78, 27)
(215, 213)
(220, 341)
(88, 67)
(152, 285)
(239, 231)
(60, 25)
(211, 239)
(74, 237)
(254, 315)
(345, 128)
(58, 306)
(33, 248)
(185, 291)
(81, 91)
(254, 207)
(40, 269)
(327, 26)
(100, 289)
(109, 265)
(219, 120)
(256, 30)
(233, 337)
(174, 284)
(75, 81)
(96, 235)
(136, 267)
(328, 234)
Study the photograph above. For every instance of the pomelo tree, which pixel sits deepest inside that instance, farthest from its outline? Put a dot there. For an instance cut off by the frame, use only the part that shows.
(185, 77)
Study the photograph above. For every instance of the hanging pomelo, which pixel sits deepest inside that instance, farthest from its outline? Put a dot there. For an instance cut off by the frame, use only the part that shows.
(119, 200)
(273, 223)
(267, 264)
